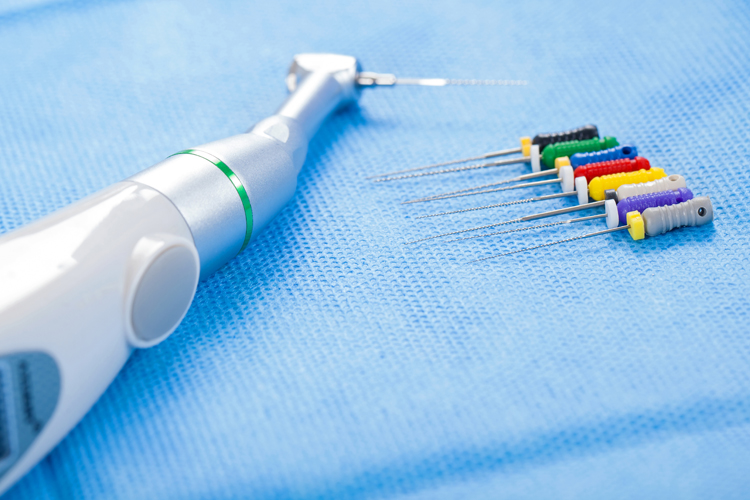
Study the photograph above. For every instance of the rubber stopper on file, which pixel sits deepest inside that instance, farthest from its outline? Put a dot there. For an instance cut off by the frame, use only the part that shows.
(613, 218)
(526, 149)
(561, 162)
(536, 163)
(582, 188)
(636, 227)
(567, 179)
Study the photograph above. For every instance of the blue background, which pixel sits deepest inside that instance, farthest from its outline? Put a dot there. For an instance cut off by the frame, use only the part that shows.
(329, 360)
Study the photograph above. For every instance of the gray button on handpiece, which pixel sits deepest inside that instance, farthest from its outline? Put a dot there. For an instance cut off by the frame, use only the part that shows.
(164, 294)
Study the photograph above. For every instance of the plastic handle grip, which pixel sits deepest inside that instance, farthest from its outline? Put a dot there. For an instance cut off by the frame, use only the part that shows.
(615, 153)
(671, 183)
(86, 285)
(598, 186)
(576, 134)
(593, 170)
(696, 212)
(642, 202)
(572, 147)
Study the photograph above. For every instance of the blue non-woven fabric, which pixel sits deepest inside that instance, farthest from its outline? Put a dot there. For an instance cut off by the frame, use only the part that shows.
(329, 360)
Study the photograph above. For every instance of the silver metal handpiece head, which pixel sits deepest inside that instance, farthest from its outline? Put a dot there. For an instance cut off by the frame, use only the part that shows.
(344, 68)
(318, 84)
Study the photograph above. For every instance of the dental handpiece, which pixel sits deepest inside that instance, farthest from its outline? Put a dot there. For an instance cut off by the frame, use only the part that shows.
(83, 287)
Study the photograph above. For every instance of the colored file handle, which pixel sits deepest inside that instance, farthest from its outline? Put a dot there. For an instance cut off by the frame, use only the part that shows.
(651, 200)
(593, 170)
(614, 153)
(598, 186)
(572, 147)
(671, 183)
(577, 134)
(659, 220)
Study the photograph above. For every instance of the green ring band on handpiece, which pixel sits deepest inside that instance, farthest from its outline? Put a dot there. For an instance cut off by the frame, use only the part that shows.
(236, 182)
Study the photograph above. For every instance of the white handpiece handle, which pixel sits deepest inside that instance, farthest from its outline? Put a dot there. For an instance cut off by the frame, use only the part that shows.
(77, 295)
(82, 287)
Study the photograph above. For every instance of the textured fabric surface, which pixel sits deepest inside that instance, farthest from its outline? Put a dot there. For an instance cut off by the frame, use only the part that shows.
(329, 360)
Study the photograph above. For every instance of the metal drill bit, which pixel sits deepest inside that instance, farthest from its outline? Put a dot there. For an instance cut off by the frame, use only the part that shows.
(589, 235)
(510, 161)
(370, 79)
(492, 154)
(505, 204)
(527, 228)
(519, 186)
(506, 188)
(541, 140)
(450, 194)
(463, 231)
(527, 218)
